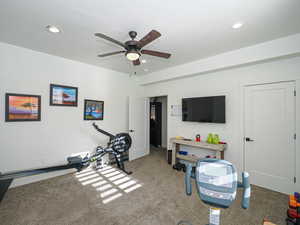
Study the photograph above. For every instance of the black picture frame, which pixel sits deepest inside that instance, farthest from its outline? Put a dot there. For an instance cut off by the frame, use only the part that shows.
(52, 101)
(90, 117)
(22, 117)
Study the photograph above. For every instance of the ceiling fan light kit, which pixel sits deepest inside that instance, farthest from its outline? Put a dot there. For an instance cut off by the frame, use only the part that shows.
(133, 55)
(133, 49)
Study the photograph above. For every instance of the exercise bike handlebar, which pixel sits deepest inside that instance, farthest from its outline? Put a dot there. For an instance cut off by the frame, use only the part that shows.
(188, 176)
(245, 184)
(111, 136)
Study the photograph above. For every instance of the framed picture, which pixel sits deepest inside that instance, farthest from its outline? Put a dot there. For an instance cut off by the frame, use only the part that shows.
(93, 110)
(61, 95)
(21, 107)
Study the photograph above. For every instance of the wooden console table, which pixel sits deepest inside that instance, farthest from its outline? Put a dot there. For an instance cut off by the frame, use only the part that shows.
(219, 148)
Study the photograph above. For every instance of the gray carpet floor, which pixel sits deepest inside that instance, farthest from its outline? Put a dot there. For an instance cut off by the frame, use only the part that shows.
(153, 194)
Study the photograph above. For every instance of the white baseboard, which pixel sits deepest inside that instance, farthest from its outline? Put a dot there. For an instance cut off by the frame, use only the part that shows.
(35, 178)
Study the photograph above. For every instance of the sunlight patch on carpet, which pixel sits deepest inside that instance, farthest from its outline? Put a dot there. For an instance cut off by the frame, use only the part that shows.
(109, 182)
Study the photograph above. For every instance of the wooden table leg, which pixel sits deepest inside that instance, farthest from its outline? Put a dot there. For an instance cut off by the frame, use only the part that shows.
(222, 155)
(175, 148)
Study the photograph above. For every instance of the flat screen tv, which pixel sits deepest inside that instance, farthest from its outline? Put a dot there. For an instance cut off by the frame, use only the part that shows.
(204, 109)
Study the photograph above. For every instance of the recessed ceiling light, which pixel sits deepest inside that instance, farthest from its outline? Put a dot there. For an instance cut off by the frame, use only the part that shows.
(146, 70)
(144, 60)
(237, 25)
(53, 29)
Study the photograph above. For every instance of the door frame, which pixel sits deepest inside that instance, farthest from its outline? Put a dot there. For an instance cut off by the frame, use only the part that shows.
(243, 122)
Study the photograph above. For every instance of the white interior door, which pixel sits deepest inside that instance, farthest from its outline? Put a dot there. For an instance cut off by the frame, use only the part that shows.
(138, 127)
(269, 135)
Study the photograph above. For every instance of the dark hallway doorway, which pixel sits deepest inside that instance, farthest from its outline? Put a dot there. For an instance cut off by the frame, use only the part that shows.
(158, 133)
(155, 123)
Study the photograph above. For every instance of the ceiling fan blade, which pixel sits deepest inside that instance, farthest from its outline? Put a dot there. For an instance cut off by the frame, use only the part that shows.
(155, 53)
(111, 53)
(110, 39)
(151, 36)
(136, 62)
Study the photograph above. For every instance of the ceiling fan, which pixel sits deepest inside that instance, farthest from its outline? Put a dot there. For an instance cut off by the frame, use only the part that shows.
(133, 48)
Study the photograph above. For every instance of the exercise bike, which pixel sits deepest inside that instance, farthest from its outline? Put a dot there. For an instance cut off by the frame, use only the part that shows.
(118, 144)
(217, 183)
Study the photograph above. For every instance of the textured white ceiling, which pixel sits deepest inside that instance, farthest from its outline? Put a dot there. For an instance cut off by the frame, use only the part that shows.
(190, 30)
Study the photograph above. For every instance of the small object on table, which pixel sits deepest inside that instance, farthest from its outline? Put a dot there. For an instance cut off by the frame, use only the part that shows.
(209, 138)
(210, 156)
(198, 138)
(222, 142)
(187, 139)
(216, 139)
(183, 152)
(179, 137)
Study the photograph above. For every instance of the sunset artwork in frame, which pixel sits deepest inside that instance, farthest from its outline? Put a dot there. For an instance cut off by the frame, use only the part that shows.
(22, 107)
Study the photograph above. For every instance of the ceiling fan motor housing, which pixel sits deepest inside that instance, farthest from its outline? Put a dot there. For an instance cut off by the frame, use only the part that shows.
(132, 34)
(132, 47)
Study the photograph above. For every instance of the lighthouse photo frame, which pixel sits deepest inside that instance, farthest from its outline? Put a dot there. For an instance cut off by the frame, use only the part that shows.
(61, 95)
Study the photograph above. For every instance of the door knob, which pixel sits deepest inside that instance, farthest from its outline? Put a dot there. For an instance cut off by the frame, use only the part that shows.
(248, 139)
(131, 130)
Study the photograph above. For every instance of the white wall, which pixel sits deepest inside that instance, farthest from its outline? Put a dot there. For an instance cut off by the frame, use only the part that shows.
(62, 130)
(230, 83)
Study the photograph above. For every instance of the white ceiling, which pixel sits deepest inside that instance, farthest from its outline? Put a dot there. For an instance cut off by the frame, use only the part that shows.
(190, 30)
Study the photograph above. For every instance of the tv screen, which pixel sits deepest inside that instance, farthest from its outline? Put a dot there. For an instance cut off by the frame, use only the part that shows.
(204, 109)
